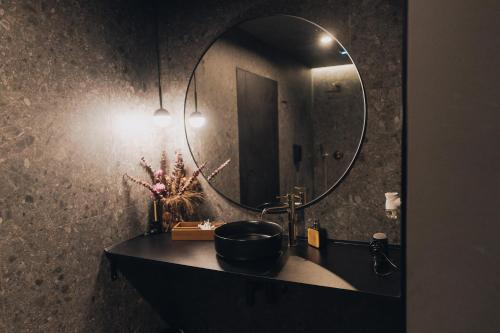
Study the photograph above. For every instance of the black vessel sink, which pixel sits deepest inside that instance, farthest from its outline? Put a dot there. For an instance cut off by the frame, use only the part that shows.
(248, 240)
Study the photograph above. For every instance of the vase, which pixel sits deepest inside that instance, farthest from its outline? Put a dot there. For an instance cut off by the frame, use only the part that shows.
(155, 217)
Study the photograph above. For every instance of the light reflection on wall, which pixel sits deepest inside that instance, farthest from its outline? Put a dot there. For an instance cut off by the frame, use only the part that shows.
(126, 124)
(109, 129)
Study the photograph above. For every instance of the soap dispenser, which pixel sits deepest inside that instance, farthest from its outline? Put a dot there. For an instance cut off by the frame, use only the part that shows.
(314, 235)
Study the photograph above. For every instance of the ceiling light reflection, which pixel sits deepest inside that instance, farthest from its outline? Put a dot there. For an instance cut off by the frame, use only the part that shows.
(326, 40)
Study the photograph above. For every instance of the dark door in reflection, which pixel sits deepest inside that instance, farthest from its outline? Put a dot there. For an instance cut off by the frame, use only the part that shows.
(258, 138)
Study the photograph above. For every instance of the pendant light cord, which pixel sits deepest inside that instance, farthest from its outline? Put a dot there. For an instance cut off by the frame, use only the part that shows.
(158, 61)
(195, 93)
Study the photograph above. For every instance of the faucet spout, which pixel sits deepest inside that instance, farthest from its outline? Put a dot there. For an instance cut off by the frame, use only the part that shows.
(290, 206)
(272, 209)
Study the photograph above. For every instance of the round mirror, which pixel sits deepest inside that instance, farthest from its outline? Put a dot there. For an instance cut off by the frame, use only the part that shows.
(282, 99)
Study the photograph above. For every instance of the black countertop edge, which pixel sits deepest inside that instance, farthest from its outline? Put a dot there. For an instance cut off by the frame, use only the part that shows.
(363, 280)
(255, 277)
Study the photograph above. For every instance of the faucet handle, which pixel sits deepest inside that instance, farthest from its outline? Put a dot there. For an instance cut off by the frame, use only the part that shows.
(301, 194)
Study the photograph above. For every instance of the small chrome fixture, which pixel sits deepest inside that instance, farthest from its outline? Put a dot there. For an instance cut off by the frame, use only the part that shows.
(196, 119)
(338, 155)
(324, 156)
(161, 115)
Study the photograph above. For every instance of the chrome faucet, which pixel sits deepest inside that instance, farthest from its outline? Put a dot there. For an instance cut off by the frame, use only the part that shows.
(289, 205)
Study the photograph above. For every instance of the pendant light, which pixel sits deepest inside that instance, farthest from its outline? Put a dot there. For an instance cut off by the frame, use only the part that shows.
(161, 116)
(196, 119)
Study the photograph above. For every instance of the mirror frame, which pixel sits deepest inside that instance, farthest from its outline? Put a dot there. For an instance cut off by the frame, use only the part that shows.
(359, 145)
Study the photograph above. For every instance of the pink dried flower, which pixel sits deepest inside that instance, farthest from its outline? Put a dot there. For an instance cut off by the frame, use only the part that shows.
(159, 174)
(159, 188)
(178, 193)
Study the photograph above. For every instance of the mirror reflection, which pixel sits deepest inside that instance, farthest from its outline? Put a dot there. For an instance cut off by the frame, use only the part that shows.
(282, 98)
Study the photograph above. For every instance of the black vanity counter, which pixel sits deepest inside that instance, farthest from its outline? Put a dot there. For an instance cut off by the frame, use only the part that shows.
(341, 265)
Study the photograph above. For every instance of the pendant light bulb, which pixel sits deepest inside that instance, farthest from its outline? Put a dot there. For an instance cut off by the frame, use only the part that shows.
(197, 119)
(162, 117)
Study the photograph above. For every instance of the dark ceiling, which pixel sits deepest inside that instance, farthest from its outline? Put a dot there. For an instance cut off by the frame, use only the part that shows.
(298, 38)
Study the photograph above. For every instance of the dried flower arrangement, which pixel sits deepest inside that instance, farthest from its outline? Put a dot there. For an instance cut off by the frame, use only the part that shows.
(178, 194)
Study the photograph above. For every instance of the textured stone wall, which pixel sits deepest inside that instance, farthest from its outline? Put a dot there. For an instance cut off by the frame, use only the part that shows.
(76, 94)
(372, 32)
(77, 89)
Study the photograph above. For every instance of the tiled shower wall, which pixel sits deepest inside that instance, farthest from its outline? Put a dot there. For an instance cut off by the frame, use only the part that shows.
(77, 89)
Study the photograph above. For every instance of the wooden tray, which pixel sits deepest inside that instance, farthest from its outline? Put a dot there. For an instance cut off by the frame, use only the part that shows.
(190, 231)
